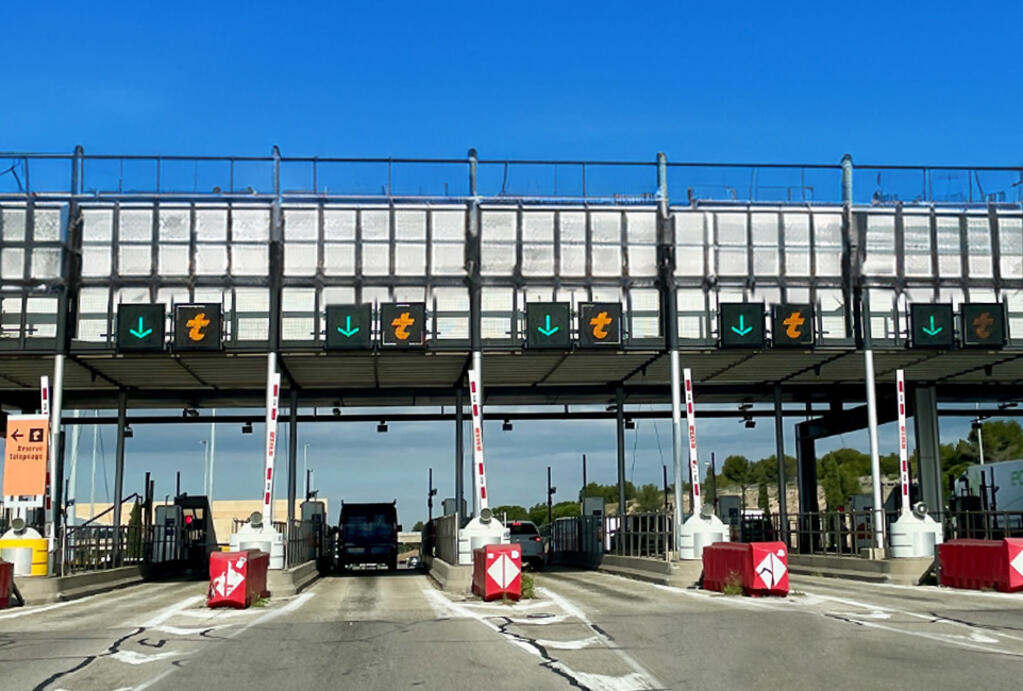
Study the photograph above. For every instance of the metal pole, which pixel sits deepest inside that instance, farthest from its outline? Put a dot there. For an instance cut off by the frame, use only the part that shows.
(847, 175)
(550, 494)
(205, 466)
(56, 398)
(213, 456)
(623, 508)
(122, 414)
(779, 450)
(92, 479)
(429, 497)
(459, 454)
(980, 441)
(305, 467)
(664, 470)
(72, 492)
(293, 456)
(875, 460)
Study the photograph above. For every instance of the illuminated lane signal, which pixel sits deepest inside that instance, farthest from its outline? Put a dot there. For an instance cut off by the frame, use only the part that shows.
(600, 324)
(982, 324)
(793, 326)
(741, 324)
(140, 328)
(931, 326)
(403, 324)
(349, 327)
(198, 327)
(548, 325)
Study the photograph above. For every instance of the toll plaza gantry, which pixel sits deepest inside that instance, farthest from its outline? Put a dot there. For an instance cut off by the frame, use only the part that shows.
(186, 282)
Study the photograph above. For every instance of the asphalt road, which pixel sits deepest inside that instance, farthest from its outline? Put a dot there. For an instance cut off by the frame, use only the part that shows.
(375, 630)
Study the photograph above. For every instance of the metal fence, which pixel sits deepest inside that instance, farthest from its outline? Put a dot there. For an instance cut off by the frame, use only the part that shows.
(101, 547)
(640, 535)
(306, 541)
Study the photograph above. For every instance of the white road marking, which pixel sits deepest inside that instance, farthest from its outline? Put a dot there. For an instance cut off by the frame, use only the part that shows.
(168, 612)
(539, 621)
(578, 644)
(518, 606)
(273, 613)
(183, 631)
(219, 613)
(134, 658)
(640, 678)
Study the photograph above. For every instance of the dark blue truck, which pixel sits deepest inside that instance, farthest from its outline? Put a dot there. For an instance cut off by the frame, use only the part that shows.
(368, 534)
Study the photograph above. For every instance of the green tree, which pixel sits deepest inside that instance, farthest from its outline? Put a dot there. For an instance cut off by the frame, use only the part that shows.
(762, 499)
(1002, 440)
(609, 492)
(514, 511)
(839, 481)
(649, 498)
(739, 470)
(767, 469)
(418, 527)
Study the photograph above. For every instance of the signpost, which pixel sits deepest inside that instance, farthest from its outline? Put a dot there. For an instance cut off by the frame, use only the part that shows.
(792, 326)
(741, 324)
(548, 325)
(349, 327)
(600, 324)
(931, 326)
(26, 456)
(140, 327)
(983, 324)
(402, 324)
(198, 327)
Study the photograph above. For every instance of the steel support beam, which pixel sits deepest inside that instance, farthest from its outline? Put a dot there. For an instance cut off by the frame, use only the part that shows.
(925, 424)
(875, 459)
(122, 415)
(779, 450)
(620, 427)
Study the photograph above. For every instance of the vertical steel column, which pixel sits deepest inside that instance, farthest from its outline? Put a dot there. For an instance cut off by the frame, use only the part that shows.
(72, 492)
(925, 425)
(292, 454)
(669, 319)
(847, 175)
(779, 446)
(620, 423)
(276, 259)
(122, 421)
(213, 454)
(875, 460)
(459, 453)
(56, 462)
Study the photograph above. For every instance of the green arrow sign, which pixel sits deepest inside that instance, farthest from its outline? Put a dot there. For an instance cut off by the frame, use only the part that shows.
(931, 326)
(547, 329)
(140, 332)
(548, 325)
(140, 327)
(932, 330)
(739, 329)
(348, 331)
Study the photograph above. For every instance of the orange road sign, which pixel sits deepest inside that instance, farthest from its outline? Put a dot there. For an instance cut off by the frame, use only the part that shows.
(26, 453)
(401, 324)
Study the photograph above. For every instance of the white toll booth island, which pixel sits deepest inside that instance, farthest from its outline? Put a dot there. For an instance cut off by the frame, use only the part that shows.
(914, 533)
(484, 528)
(702, 528)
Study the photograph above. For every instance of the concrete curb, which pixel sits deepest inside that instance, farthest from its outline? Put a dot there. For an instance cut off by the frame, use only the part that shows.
(42, 590)
(681, 574)
(898, 571)
(450, 577)
(288, 582)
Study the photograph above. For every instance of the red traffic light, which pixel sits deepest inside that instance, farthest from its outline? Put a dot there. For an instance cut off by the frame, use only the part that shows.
(188, 520)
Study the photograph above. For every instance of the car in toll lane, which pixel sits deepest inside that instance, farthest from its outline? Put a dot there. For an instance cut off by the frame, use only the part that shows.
(527, 536)
(368, 534)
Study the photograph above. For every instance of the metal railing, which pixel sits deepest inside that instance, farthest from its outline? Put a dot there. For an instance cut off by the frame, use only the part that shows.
(102, 547)
(981, 525)
(640, 535)
(305, 542)
(590, 181)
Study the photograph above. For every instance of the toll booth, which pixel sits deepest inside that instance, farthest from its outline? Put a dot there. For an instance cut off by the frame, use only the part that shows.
(183, 536)
(316, 535)
(168, 534)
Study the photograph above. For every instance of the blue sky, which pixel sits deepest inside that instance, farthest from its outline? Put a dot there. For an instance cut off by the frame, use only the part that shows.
(910, 83)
